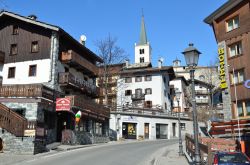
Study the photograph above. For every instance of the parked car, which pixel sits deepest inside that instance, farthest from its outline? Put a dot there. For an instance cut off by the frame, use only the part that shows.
(230, 158)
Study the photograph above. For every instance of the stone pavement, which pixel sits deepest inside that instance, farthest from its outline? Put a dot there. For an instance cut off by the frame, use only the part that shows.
(165, 156)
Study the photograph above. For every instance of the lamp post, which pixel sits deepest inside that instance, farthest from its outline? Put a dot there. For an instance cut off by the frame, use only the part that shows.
(192, 56)
(177, 96)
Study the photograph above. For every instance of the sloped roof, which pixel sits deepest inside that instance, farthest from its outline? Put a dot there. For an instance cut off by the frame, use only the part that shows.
(50, 27)
(229, 5)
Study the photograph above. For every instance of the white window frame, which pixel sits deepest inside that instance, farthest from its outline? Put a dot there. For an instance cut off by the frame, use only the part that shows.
(232, 23)
(235, 49)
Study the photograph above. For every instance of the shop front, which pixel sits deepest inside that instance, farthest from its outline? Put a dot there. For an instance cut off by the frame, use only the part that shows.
(129, 130)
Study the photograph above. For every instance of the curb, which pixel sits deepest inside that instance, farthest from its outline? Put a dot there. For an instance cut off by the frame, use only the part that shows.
(189, 159)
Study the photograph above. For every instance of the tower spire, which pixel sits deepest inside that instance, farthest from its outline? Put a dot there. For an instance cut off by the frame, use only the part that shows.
(143, 36)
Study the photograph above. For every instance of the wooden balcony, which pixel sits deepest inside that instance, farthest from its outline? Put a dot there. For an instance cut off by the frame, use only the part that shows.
(69, 80)
(90, 106)
(75, 60)
(27, 91)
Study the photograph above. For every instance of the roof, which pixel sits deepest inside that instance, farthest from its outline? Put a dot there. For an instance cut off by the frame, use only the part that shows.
(148, 70)
(143, 35)
(183, 79)
(50, 27)
(226, 7)
(201, 82)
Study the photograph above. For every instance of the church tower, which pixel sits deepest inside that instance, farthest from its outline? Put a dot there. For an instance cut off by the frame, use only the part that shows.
(143, 48)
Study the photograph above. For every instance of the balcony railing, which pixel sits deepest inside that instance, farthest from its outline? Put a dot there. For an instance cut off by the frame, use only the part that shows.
(72, 57)
(202, 101)
(140, 96)
(69, 79)
(201, 92)
(89, 105)
(33, 90)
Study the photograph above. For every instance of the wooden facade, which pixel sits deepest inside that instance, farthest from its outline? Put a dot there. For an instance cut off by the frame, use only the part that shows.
(218, 20)
(27, 33)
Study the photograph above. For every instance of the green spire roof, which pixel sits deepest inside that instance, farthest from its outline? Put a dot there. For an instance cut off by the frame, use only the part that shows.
(143, 36)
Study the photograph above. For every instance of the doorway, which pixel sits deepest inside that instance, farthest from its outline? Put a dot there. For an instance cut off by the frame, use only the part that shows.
(146, 130)
(129, 130)
(174, 129)
(161, 131)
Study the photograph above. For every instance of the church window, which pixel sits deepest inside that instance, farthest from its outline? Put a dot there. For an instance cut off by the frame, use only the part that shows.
(141, 51)
(141, 59)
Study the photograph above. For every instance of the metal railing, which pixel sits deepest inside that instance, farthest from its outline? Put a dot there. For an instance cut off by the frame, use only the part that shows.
(139, 96)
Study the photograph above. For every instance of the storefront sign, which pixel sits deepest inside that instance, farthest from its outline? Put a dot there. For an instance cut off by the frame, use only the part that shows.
(222, 75)
(63, 104)
(30, 133)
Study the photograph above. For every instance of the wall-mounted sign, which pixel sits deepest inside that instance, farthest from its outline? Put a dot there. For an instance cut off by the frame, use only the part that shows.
(30, 133)
(247, 84)
(222, 73)
(63, 104)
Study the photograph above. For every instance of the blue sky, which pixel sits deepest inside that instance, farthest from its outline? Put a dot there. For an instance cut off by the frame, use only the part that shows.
(170, 25)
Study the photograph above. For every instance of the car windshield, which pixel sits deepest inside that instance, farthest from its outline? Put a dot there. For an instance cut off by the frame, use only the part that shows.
(233, 158)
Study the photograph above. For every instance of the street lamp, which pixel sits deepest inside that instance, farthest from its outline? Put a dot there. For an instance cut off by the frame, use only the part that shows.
(192, 56)
(177, 96)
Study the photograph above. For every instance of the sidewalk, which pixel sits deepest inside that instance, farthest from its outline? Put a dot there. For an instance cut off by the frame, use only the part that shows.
(169, 156)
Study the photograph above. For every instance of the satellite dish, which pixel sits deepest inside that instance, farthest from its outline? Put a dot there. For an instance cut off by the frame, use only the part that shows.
(83, 38)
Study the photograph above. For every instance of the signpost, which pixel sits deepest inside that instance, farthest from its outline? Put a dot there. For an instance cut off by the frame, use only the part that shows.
(63, 104)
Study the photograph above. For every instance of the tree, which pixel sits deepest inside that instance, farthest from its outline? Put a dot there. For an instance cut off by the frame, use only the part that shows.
(111, 54)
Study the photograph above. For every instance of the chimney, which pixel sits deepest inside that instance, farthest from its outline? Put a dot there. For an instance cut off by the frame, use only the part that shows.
(83, 38)
(160, 61)
(32, 16)
(127, 63)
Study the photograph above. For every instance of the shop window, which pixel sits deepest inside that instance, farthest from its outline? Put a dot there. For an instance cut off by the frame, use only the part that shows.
(232, 23)
(12, 72)
(128, 79)
(240, 109)
(248, 107)
(148, 104)
(183, 126)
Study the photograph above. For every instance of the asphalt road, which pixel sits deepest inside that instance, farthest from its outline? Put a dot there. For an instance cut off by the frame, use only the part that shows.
(127, 153)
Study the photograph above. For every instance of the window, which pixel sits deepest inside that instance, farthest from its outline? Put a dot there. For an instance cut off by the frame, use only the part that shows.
(15, 30)
(148, 91)
(237, 77)
(248, 107)
(11, 73)
(138, 92)
(138, 79)
(128, 80)
(141, 51)
(232, 23)
(183, 126)
(34, 46)
(148, 104)
(13, 49)
(128, 92)
(148, 78)
(141, 59)
(164, 79)
(32, 70)
(235, 49)
(240, 109)
(166, 106)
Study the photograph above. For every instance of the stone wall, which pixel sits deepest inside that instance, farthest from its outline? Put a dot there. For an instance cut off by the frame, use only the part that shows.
(19, 145)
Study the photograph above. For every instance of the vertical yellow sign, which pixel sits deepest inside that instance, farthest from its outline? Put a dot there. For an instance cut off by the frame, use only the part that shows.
(222, 74)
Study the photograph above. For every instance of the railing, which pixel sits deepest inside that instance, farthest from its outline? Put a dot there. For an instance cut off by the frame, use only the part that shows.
(72, 57)
(89, 105)
(204, 92)
(34, 90)
(202, 101)
(208, 146)
(12, 122)
(140, 96)
(67, 78)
